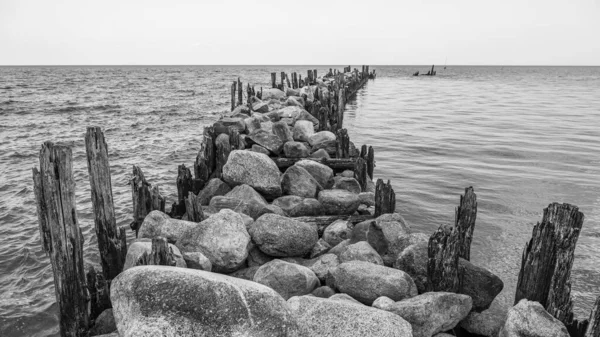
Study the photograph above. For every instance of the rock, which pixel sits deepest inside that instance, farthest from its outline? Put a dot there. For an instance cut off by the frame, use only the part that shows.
(295, 150)
(320, 248)
(370, 186)
(256, 257)
(293, 205)
(261, 107)
(273, 116)
(338, 202)
(261, 117)
(222, 238)
(323, 174)
(276, 209)
(297, 181)
(348, 184)
(104, 323)
(487, 323)
(214, 187)
(344, 298)
(347, 174)
(112, 334)
(306, 116)
(247, 220)
(384, 234)
(367, 198)
(289, 112)
(169, 301)
(288, 121)
(197, 260)
(267, 126)
(529, 319)
(282, 130)
(478, 283)
(321, 137)
(252, 124)
(237, 123)
(241, 110)
(254, 169)
(270, 93)
(360, 251)
(413, 260)
(319, 154)
(323, 292)
(337, 232)
(339, 248)
(266, 139)
(157, 223)
(367, 281)
(432, 312)
(383, 302)
(260, 149)
(280, 236)
(322, 265)
(292, 92)
(251, 208)
(287, 279)
(245, 274)
(303, 130)
(328, 146)
(324, 317)
(246, 193)
(140, 246)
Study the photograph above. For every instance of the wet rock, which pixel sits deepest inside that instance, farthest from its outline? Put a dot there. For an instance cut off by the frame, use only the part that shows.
(222, 238)
(254, 169)
(249, 207)
(136, 249)
(282, 130)
(324, 317)
(432, 312)
(384, 234)
(295, 150)
(338, 202)
(337, 232)
(529, 319)
(169, 301)
(158, 224)
(246, 193)
(303, 130)
(280, 236)
(324, 264)
(323, 292)
(320, 154)
(487, 323)
(266, 139)
(321, 137)
(261, 107)
(383, 303)
(214, 187)
(237, 123)
(360, 251)
(479, 283)
(323, 174)
(413, 261)
(367, 198)
(367, 281)
(104, 323)
(287, 279)
(272, 93)
(260, 149)
(320, 248)
(297, 181)
(294, 206)
(348, 184)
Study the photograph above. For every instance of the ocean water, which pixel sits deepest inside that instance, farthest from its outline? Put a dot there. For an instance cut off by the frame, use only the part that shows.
(523, 137)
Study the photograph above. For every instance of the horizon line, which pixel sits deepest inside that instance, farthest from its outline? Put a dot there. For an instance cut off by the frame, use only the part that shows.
(302, 65)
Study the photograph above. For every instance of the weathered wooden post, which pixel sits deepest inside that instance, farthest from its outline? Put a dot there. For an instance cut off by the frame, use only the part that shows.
(234, 138)
(145, 198)
(61, 237)
(385, 198)
(240, 96)
(160, 255)
(545, 274)
(287, 80)
(233, 92)
(112, 243)
(323, 117)
(593, 328)
(342, 144)
(360, 173)
(464, 221)
(193, 208)
(282, 79)
(442, 263)
(184, 187)
(274, 80)
(315, 75)
(341, 107)
(309, 77)
(368, 154)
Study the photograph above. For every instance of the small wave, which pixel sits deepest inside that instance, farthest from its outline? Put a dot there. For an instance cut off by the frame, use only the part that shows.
(71, 109)
(106, 107)
(10, 101)
(8, 87)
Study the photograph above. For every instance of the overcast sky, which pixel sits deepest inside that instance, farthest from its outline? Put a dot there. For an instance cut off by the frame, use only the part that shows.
(377, 32)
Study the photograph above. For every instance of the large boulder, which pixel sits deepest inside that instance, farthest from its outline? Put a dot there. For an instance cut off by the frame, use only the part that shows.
(367, 281)
(384, 234)
(261, 107)
(197, 260)
(169, 301)
(270, 93)
(213, 188)
(339, 202)
(290, 112)
(158, 224)
(486, 323)
(337, 231)
(297, 181)
(479, 283)
(140, 246)
(295, 150)
(323, 174)
(280, 236)
(303, 130)
(252, 208)
(413, 261)
(246, 193)
(294, 205)
(324, 317)
(320, 248)
(432, 312)
(323, 265)
(222, 238)
(236, 123)
(360, 251)
(348, 184)
(287, 279)
(321, 137)
(265, 139)
(282, 130)
(104, 323)
(530, 319)
(329, 146)
(254, 169)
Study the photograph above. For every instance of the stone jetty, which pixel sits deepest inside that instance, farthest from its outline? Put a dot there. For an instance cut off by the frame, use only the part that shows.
(279, 229)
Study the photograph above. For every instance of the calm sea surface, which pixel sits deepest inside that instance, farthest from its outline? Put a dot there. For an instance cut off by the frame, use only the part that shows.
(523, 137)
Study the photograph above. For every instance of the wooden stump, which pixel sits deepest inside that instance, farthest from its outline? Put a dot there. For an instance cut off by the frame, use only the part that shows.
(240, 100)
(111, 246)
(99, 293)
(315, 106)
(145, 198)
(61, 237)
(323, 117)
(593, 328)
(360, 173)
(385, 198)
(184, 187)
(464, 222)
(442, 264)
(273, 81)
(309, 77)
(545, 274)
(234, 139)
(233, 91)
(205, 161)
(161, 254)
(342, 144)
(193, 208)
(340, 108)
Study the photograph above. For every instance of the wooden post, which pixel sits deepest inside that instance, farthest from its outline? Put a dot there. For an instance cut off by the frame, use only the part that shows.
(62, 240)
(385, 198)
(342, 144)
(371, 162)
(233, 85)
(464, 222)
(274, 80)
(283, 79)
(184, 186)
(161, 254)
(111, 245)
(309, 77)
(301, 82)
(315, 106)
(593, 328)
(240, 96)
(221, 155)
(193, 208)
(234, 138)
(545, 274)
(360, 173)
(287, 80)
(442, 263)
(340, 108)
(323, 117)
(315, 75)
(99, 292)
(145, 198)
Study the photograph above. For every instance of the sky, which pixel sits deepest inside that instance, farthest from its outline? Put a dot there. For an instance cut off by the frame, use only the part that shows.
(376, 32)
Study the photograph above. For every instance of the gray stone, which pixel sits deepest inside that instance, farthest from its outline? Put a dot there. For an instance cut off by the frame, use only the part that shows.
(348, 184)
(329, 146)
(306, 116)
(104, 323)
(214, 187)
(360, 251)
(268, 127)
(295, 150)
(241, 110)
(347, 174)
(252, 124)
(266, 139)
(487, 323)
(292, 92)
(413, 261)
(282, 130)
(245, 273)
(478, 283)
(324, 317)
(256, 257)
(273, 116)
(289, 112)
(367, 281)
(140, 246)
(320, 248)
(287, 279)
(384, 234)
(293, 101)
(237, 123)
(529, 319)
(323, 292)
(272, 93)
(169, 301)
(323, 174)
(246, 193)
(293, 205)
(197, 260)
(383, 302)
(432, 312)
(344, 298)
(339, 248)
(321, 137)
(261, 107)
(322, 265)
(320, 154)
(297, 181)
(158, 224)
(337, 232)
(338, 202)
(254, 169)
(367, 198)
(280, 236)
(303, 130)
(260, 149)
(222, 238)
(251, 208)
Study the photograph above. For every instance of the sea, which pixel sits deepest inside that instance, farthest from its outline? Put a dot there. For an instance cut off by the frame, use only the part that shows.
(523, 137)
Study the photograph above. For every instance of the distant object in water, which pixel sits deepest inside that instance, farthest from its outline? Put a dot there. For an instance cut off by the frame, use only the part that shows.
(429, 73)
(416, 74)
(445, 62)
